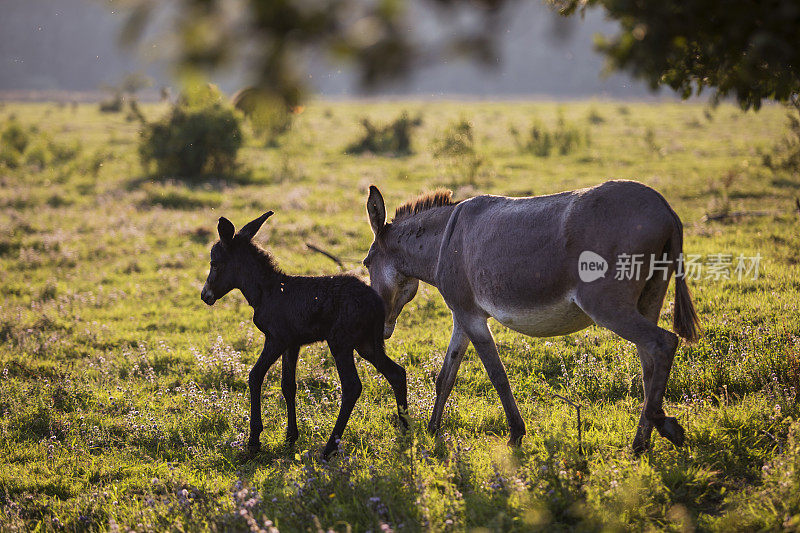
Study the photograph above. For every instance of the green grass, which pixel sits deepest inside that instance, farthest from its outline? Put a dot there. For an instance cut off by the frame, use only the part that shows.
(123, 398)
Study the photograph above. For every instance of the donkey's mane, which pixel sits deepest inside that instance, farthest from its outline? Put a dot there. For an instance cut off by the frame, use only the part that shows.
(423, 202)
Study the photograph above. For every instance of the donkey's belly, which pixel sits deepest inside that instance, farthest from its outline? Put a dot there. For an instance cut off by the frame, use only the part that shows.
(560, 318)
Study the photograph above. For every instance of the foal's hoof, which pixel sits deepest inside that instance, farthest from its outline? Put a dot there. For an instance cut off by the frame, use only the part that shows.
(401, 420)
(327, 453)
(253, 448)
(672, 431)
(291, 437)
(640, 446)
(432, 429)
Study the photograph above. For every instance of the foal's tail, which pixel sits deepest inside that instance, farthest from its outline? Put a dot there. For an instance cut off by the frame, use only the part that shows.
(684, 322)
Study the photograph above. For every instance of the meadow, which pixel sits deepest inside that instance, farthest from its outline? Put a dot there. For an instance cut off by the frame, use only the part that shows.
(123, 397)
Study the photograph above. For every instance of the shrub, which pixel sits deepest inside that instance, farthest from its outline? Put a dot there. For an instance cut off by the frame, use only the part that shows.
(458, 140)
(112, 105)
(786, 153)
(594, 116)
(38, 155)
(393, 138)
(15, 136)
(267, 114)
(457, 148)
(200, 136)
(543, 142)
(9, 157)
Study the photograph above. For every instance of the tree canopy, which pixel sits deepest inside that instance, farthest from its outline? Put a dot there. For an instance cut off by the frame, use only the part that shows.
(747, 49)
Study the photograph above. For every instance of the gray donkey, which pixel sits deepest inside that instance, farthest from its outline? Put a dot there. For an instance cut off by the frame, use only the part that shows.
(538, 266)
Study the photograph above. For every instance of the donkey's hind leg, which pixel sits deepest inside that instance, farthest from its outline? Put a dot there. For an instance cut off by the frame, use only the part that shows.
(351, 390)
(657, 344)
(649, 305)
(372, 350)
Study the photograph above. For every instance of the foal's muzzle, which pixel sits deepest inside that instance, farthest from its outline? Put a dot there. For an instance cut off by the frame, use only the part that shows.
(207, 296)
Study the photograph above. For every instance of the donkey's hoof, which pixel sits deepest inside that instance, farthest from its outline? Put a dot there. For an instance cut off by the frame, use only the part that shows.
(432, 429)
(253, 447)
(515, 441)
(672, 431)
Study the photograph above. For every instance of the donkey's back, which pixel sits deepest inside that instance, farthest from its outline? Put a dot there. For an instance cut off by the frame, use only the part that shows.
(517, 259)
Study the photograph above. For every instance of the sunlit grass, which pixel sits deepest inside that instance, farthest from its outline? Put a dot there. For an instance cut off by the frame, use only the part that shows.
(123, 398)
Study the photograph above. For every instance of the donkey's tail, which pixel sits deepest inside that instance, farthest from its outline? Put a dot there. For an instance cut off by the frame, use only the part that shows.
(684, 322)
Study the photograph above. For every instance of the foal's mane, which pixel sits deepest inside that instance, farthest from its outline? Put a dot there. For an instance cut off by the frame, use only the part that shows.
(263, 257)
(423, 202)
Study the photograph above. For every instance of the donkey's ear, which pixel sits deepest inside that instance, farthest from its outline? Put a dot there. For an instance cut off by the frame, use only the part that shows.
(376, 210)
(225, 229)
(251, 228)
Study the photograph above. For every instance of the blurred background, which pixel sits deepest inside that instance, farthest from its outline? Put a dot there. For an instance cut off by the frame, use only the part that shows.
(75, 46)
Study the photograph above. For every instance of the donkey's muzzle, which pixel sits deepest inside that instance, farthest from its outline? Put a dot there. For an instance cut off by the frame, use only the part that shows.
(207, 296)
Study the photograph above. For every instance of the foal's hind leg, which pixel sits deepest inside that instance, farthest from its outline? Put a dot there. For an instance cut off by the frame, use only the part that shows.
(289, 390)
(373, 351)
(659, 344)
(351, 390)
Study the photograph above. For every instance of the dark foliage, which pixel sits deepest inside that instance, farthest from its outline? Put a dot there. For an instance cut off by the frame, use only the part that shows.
(392, 139)
(743, 49)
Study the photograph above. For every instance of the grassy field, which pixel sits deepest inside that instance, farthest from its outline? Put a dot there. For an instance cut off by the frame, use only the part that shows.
(123, 398)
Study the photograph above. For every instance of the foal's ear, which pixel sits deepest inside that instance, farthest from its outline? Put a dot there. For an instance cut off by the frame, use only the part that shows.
(376, 210)
(251, 228)
(225, 229)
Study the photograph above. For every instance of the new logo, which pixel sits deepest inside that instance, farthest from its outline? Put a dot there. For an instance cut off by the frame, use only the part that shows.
(591, 266)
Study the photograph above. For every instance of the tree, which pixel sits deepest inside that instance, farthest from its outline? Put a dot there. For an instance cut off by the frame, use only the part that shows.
(747, 49)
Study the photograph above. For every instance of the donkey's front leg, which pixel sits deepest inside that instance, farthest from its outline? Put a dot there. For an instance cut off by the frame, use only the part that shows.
(482, 340)
(269, 355)
(447, 376)
(289, 390)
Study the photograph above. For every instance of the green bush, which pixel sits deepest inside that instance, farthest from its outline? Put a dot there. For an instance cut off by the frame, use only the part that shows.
(457, 147)
(9, 157)
(458, 140)
(38, 155)
(542, 141)
(393, 138)
(786, 153)
(200, 136)
(594, 116)
(15, 136)
(112, 105)
(267, 115)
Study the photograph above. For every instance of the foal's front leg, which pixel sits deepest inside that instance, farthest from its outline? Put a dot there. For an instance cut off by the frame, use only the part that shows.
(271, 352)
(289, 390)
